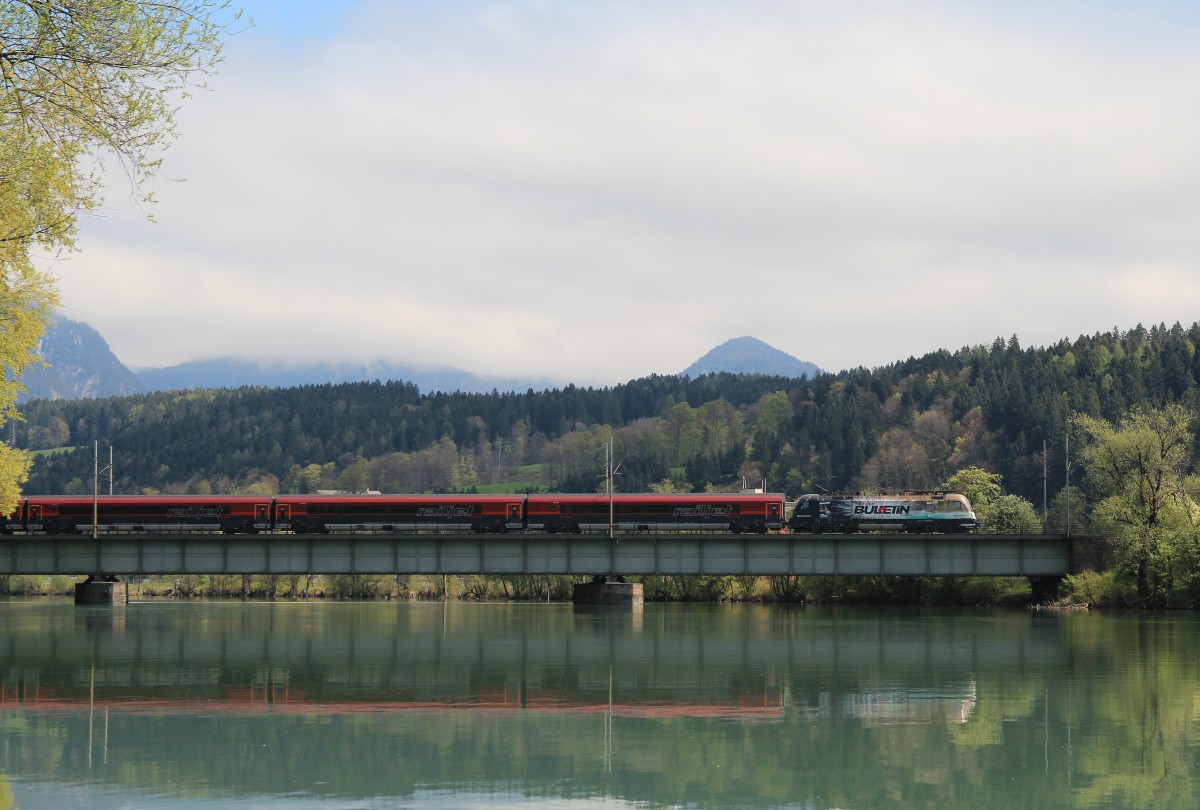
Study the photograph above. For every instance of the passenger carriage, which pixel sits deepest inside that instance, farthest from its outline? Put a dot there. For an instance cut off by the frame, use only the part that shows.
(308, 514)
(56, 514)
(734, 512)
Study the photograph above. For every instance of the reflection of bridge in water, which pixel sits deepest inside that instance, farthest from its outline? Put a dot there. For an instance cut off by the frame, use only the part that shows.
(305, 659)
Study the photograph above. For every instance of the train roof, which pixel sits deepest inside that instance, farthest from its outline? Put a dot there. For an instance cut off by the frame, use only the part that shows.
(406, 498)
(560, 497)
(650, 497)
(119, 499)
(930, 494)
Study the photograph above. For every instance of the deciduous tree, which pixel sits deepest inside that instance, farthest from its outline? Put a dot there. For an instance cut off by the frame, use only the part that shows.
(1141, 470)
(1011, 514)
(980, 486)
(81, 82)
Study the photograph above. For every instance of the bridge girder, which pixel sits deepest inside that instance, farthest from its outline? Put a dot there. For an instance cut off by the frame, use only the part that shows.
(516, 554)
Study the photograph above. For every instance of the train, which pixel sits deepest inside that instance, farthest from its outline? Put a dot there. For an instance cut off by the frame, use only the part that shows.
(747, 512)
(911, 512)
(321, 514)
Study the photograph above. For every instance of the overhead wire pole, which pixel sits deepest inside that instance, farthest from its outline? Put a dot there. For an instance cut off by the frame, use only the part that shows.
(96, 473)
(96, 493)
(609, 472)
(1067, 449)
(99, 588)
(96, 508)
(1045, 474)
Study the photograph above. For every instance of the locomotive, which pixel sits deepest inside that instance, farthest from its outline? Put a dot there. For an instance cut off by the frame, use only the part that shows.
(319, 514)
(905, 512)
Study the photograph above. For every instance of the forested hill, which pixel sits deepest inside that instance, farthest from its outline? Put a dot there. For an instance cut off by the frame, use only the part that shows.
(908, 425)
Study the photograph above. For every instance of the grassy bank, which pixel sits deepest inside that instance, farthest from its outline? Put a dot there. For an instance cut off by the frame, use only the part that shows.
(949, 591)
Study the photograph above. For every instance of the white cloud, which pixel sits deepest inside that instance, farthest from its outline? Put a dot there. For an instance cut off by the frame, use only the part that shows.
(597, 191)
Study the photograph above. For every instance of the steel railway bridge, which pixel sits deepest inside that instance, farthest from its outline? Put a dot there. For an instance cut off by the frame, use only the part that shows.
(700, 553)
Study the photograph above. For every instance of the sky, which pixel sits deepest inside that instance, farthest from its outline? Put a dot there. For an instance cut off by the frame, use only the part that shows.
(593, 192)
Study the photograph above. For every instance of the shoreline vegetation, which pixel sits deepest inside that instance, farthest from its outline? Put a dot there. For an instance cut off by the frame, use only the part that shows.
(1087, 590)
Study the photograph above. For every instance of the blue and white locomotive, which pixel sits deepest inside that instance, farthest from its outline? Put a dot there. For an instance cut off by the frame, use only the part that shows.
(906, 512)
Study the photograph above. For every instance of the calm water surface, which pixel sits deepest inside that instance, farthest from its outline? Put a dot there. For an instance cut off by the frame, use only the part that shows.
(193, 706)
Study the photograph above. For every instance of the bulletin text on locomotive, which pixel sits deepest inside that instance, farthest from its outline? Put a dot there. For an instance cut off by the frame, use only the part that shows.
(903, 512)
(320, 514)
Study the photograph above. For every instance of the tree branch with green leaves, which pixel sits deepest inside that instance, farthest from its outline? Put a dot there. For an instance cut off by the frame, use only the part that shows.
(81, 81)
(1142, 474)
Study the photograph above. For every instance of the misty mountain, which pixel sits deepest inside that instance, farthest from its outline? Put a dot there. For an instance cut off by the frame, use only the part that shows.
(232, 373)
(747, 355)
(81, 366)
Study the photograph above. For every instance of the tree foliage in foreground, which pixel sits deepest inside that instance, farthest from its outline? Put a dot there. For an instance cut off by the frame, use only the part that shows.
(1145, 487)
(81, 81)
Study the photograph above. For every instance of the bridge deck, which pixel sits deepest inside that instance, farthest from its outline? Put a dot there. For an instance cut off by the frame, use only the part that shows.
(641, 554)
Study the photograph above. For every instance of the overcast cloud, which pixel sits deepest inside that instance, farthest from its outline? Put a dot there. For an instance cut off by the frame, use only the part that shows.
(597, 191)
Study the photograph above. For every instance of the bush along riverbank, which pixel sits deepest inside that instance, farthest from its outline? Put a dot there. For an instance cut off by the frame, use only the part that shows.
(945, 591)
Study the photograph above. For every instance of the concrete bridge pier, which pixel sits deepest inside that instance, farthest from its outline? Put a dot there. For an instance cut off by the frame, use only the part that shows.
(102, 590)
(604, 591)
(1044, 589)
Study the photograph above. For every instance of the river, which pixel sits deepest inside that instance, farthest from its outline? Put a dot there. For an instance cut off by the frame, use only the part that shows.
(340, 706)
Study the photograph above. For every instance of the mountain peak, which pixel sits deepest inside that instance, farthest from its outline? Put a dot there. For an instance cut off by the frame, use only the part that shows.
(81, 366)
(749, 355)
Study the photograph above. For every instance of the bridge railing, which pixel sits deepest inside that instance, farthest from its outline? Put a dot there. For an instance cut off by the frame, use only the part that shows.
(1074, 528)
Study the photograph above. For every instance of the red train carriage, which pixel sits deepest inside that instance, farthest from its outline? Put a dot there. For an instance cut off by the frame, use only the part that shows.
(307, 514)
(654, 512)
(55, 514)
